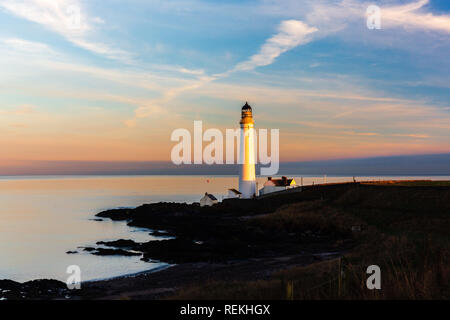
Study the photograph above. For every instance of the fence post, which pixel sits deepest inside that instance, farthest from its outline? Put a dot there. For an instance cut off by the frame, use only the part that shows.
(340, 277)
(290, 290)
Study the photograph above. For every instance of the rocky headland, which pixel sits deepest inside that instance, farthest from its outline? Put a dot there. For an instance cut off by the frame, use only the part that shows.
(226, 250)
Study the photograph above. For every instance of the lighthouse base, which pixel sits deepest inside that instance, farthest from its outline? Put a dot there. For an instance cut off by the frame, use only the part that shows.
(247, 188)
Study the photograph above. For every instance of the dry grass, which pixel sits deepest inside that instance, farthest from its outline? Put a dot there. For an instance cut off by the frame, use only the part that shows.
(411, 183)
(404, 275)
(410, 246)
(313, 217)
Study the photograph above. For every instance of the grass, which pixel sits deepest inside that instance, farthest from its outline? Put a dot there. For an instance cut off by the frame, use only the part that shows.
(405, 233)
(412, 183)
(311, 217)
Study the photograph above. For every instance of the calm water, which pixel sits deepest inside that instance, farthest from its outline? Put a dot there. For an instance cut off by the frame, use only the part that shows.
(43, 217)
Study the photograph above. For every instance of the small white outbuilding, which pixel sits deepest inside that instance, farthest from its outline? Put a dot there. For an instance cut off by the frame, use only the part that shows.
(274, 185)
(233, 194)
(208, 200)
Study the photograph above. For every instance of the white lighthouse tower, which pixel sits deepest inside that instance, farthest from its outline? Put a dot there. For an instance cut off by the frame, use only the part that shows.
(247, 179)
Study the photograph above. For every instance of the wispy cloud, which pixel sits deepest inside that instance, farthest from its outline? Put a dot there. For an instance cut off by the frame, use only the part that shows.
(413, 16)
(332, 16)
(377, 134)
(291, 33)
(367, 134)
(25, 46)
(67, 18)
(24, 109)
(413, 135)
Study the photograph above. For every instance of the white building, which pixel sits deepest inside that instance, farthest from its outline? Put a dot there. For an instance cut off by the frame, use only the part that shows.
(274, 185)
(247, 178)
(208, 200)
(233, 193)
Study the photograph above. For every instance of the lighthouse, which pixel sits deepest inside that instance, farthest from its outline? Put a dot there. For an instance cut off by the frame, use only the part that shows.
(247, 179)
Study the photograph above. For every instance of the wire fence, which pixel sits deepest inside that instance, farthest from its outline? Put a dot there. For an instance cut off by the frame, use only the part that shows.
(340, 281)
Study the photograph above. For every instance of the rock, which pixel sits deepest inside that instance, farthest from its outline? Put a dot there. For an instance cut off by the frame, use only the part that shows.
(35, 289)
(114, 252)
(71, 252)
(181, 250)
(115, 214)
(9, 285)
(158, 233)
(121, 243)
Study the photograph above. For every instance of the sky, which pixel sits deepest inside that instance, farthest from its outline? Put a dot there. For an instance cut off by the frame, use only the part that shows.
(110, 80)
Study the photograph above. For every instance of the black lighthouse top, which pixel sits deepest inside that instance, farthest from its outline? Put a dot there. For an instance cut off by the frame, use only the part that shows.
(246, 107)
(246, 114)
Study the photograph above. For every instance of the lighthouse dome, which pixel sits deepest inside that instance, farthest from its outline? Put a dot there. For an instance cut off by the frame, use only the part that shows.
(246, 114)
(246, 107)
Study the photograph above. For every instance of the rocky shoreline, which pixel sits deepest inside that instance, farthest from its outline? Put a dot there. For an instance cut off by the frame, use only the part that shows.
(248, 248)
(200, 240)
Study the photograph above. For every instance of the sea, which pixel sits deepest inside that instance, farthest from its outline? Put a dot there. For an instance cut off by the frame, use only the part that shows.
(44, 217)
